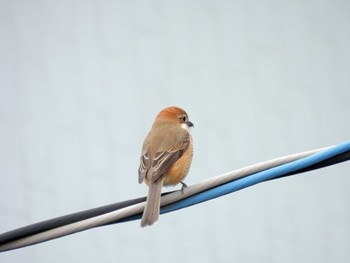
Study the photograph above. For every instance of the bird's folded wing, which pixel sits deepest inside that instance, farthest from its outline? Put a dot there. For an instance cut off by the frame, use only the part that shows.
(161, 161)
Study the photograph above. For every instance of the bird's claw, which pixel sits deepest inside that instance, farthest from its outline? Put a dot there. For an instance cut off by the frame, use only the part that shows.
(183, 186)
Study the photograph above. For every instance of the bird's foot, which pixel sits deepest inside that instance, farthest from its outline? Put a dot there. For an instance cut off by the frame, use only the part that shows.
(183, 186)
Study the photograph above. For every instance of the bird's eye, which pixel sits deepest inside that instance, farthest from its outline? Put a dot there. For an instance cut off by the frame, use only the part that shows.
(183, 118)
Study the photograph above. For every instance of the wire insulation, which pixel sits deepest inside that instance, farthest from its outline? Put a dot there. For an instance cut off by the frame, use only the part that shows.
(195, 194)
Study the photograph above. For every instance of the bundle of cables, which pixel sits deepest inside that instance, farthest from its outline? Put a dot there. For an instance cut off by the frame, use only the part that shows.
(171, 201)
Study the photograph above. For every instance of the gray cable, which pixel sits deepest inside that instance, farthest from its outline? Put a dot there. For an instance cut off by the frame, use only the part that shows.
(165, 200)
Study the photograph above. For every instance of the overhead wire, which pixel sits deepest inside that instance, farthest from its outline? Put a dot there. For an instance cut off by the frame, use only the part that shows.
(201, 192)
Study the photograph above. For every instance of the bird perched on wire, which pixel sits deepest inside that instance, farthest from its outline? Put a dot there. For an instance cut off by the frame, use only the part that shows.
(166, 157)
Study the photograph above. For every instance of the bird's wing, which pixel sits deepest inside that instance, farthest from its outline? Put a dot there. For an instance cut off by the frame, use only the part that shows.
(145, 164)
(164, 159)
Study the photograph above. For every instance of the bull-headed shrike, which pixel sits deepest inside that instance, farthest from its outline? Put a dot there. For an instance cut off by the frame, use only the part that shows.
(166, 157)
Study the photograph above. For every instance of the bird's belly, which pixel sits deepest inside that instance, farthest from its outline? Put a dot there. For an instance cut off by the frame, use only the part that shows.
(178, 171)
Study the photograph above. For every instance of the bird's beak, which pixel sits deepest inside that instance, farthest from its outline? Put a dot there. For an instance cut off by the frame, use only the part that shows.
(189, 124)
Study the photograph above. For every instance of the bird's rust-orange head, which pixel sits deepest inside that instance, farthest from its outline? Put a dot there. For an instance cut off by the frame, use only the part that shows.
(173, 114)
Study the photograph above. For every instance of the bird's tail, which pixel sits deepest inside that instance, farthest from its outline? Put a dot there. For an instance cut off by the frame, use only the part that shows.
(151, 212)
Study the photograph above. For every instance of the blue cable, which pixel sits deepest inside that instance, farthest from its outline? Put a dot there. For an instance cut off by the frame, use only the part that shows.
(258, 178)
(340, 152)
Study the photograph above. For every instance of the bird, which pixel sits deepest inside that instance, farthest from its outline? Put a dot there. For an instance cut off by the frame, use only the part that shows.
(166, 158)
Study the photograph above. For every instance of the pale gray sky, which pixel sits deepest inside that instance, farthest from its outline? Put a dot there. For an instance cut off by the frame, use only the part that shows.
(80, 85)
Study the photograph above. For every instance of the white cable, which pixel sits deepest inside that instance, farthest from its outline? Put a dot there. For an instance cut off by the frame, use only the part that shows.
(165, 200)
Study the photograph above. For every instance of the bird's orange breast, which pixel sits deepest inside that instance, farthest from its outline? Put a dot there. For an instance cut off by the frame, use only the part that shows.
(178, 170)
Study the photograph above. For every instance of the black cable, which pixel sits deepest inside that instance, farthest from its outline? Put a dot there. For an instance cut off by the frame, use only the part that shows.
(64, 220)
(79, 216)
